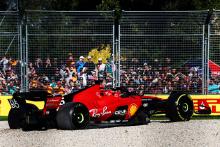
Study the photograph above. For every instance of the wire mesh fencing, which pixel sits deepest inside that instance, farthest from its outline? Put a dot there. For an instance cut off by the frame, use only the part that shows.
(60, 44)
(213, 54)
(10, 77)
(151, 52)
(162, 51)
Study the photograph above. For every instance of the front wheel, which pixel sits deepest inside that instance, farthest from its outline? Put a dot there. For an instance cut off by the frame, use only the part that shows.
(179, 107)
(72, 116)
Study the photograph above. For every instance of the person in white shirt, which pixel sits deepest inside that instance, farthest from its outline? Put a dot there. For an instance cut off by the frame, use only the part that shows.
(5, 63)
(100, 70)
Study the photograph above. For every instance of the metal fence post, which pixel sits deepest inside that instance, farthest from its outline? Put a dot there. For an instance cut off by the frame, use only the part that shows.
(119, 56)
(205, 66)
(116, 63)
(117, 59)
(26, 59)
(21, 59)
(113, 55)
(207, 59)
(204, 62)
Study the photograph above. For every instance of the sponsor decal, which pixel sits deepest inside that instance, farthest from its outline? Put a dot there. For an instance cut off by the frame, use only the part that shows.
(132, 109)
(214, 104)
(145, 104)
(202, 105)
(120, 112)
(104, 111)
(53, 102)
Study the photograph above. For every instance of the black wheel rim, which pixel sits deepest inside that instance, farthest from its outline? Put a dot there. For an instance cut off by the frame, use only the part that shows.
(80, 117)
(185, 107)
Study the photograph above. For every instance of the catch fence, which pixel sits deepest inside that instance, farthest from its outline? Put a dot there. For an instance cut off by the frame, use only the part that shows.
(151, 52)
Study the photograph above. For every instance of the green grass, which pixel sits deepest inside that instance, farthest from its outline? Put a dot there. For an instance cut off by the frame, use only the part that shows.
(205, 117)
(195, 117)
(2, 118)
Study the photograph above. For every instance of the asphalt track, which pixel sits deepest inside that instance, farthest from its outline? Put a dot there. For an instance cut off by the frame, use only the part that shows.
(160, 133)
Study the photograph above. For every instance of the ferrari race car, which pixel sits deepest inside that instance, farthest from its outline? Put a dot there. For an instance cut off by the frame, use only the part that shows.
(95, 104)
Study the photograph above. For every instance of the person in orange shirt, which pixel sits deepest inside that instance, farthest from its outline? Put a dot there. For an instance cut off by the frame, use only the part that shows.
(59, 89)
(45, 85)
(70, 60)
(49, 88)
(33, 84)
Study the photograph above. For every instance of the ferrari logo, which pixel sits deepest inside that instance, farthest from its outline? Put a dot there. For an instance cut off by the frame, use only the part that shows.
(132, 109)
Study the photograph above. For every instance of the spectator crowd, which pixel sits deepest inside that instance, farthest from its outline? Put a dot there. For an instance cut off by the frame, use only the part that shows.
(57, 77)
(70, 75)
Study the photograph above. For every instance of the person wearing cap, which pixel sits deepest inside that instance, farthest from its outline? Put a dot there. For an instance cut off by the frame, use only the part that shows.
(80, 64)
(89, 68)
(80, 70)
(100, 70)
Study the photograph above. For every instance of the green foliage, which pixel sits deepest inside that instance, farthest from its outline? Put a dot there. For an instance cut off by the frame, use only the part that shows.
(67, 5)
(107, 5)
(116, 5)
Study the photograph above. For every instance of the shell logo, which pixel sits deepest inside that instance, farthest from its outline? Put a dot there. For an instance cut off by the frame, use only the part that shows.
(132, 109)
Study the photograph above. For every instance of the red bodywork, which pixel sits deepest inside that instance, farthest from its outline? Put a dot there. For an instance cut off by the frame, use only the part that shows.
(106, 104)
(111, 104)
(103, 104)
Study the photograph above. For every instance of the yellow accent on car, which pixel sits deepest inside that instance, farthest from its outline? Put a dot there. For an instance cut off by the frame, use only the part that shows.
(132, 109)
(5, 106)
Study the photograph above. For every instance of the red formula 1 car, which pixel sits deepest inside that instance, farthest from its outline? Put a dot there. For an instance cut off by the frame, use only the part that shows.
(76, 110)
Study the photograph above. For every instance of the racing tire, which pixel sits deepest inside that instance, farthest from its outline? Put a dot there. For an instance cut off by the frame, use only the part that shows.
(30, 110)
(179, 107)
(140, 118)
(72, 116)
(15, 118)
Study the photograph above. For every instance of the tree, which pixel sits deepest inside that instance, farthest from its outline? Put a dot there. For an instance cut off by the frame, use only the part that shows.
(104, 52)
(107, 5)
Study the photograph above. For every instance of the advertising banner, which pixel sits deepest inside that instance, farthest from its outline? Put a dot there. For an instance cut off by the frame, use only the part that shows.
(213, 101)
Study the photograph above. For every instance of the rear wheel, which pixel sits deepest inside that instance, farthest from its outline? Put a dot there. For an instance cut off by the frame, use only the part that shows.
(15, 118)
(19, 117)
(31, 121)
(180, 107)
(72, 116)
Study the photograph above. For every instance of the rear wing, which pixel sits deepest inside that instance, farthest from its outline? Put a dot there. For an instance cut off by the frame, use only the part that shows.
(35, 95)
